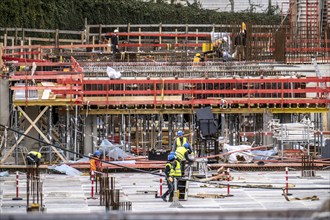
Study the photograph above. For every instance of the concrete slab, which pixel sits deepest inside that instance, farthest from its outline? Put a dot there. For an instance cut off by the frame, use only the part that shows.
(69, 194)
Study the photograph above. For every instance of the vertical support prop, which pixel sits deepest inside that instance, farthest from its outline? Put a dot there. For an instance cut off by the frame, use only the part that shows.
(287, 182)
(160, 183)
(228, 183)
(17, 183)
(92, 186)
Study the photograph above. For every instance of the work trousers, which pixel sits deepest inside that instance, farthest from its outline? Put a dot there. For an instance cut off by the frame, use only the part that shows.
(170, 190)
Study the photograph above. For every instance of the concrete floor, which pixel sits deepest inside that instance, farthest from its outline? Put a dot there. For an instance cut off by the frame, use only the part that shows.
(68, 194)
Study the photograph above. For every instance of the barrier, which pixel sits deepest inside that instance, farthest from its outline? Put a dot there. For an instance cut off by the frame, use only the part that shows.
(160, 183)
(92, 186)
(17, 179)
(287, 181)
(228, 183)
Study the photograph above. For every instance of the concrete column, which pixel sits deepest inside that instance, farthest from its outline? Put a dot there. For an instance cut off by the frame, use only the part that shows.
(90, 134)
(325, 121)
(267, 116)
(4, 97)
(4, 101)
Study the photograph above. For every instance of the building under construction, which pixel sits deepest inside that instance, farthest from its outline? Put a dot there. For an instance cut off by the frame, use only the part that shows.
(63, 96)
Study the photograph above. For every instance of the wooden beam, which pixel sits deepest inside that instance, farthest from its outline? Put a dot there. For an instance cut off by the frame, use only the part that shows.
(21, 138)
(41, 134)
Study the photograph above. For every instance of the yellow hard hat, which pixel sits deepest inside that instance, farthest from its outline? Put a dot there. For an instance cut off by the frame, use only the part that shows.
(197, 55)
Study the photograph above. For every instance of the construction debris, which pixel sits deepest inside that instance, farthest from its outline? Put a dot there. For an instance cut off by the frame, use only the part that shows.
(221, 175)
(206, 195)
(312, 198)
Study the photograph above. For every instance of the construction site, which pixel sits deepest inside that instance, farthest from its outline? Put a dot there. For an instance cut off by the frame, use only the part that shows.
(252, 100)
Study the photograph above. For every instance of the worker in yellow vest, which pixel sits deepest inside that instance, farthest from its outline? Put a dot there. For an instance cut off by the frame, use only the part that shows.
(181, 154)
(33, 158)
(179, 141)
(172, 170)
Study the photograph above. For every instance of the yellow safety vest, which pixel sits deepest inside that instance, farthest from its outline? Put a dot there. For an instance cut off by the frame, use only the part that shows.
(36, 153)
(178, 142)
(180, 151)
(177, 171)
(197, 59)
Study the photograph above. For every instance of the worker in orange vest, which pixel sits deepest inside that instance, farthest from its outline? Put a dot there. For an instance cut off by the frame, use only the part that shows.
(95, 162)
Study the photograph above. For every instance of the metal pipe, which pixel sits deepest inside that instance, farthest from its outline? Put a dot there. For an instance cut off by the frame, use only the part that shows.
(153, 131)
(129, 133)
(192, 129)
(160, 135)
(144, 134)
(120, 119)
(50, 133)
(68, 137)
(106, 125)
(123, 123)
(170, 130)
(16, 135)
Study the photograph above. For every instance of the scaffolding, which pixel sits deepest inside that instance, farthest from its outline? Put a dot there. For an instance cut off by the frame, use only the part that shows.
(309, 23)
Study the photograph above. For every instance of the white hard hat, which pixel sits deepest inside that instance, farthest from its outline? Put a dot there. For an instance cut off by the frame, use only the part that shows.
(225, 39)
(116, 31)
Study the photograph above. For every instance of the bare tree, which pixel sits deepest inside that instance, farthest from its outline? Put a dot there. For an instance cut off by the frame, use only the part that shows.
(231, 2)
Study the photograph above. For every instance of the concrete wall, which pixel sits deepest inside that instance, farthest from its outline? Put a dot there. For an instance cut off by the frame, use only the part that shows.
(4, 95)
(90, 134)
(4, 101)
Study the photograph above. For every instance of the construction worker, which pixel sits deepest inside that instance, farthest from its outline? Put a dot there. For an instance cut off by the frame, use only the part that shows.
(33, 158)
(197, 59)
(216, 47)
(181, 154)
(95, 162)
(114, 42)
(240, 43)
(179, 141)
(172, 170)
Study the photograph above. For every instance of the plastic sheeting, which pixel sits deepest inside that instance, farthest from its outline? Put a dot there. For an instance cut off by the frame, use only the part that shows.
(263, 154)
(66, 170)
(112, 73)
(4, 174)
(112, 151)
(234, 157)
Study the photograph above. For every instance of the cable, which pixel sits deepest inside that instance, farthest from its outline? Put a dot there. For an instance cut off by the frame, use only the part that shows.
(152, 173)
(73, 152)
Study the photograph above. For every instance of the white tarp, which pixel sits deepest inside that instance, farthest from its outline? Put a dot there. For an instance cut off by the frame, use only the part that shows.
(111, 150)
(65, 169)
(263, 154)
(4, 174)
(233, 158)
(112, 73)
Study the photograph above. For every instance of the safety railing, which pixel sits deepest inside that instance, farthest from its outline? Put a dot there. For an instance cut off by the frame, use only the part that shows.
(278, 92)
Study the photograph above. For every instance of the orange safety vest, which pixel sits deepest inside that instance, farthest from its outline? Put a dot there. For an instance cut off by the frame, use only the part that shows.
(95, 164)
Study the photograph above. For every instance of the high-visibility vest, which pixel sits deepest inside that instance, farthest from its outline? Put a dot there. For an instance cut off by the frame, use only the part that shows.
(180, 151)
(197, 59)
(95, 164)
(177, 171)
(35, 153)
(178, 142)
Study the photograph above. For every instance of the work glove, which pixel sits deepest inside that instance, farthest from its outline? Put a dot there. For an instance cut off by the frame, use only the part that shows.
(170, 179)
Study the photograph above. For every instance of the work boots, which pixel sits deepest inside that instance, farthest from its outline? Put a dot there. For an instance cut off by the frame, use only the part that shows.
(164, 198)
